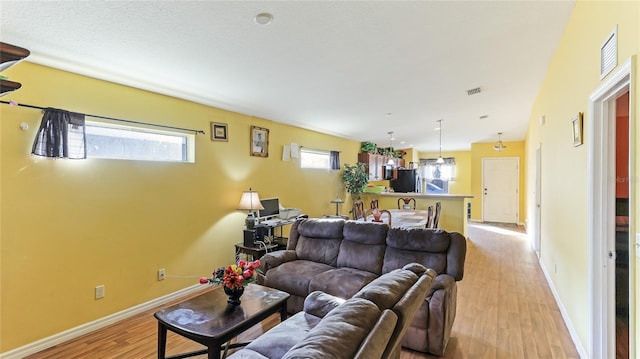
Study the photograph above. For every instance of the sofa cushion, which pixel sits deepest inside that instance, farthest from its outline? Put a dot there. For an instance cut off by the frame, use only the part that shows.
(317, 240)
(359, 238)
(320, 303)
(294, 277)
(386, 290)
(341, 282)
(340, 332)
(280, 338)
(406, 245)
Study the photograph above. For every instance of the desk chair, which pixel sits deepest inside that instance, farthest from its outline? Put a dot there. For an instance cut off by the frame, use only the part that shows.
(406, 201)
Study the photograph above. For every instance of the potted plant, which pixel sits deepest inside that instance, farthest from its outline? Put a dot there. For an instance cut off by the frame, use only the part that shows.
(368, 147)
(355, 178)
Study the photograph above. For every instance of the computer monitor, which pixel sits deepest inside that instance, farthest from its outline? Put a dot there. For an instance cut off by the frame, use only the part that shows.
(271, 208)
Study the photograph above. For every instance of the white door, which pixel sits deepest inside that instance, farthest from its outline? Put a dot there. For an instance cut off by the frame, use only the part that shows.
(500, 180)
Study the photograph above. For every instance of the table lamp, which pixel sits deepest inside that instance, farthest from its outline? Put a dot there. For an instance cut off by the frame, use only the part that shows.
(250, 201)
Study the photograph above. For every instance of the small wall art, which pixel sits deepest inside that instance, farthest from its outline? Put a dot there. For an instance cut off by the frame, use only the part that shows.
(577, 129)
(219, 131)
(259, 141)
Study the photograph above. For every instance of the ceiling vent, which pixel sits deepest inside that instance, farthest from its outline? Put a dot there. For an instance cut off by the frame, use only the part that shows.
(609, 54)
(474, 91)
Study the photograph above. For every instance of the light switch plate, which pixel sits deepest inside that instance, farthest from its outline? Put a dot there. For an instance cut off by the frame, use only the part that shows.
(638, 245)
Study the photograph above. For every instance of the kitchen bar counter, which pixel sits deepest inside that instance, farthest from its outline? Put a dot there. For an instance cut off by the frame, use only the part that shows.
(453, 217)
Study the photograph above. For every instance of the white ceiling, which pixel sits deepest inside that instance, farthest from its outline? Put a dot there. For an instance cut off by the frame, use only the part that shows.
(332, 66)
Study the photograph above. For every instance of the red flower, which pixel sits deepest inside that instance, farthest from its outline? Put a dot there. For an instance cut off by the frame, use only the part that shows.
(234, 276)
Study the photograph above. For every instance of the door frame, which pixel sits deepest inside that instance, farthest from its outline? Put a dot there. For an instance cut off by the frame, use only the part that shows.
(537, 220)
(601, 205)
(517, 219)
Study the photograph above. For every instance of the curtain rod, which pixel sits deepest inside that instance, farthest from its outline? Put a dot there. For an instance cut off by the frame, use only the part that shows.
(319, 149)
(11, 103)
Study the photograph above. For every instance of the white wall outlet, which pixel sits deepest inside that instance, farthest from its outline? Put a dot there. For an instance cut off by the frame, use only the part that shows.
(161, 274)
(100, 292)
(637, 244)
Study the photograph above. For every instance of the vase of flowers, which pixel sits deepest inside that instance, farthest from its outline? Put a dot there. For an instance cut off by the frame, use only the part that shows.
(234, 278)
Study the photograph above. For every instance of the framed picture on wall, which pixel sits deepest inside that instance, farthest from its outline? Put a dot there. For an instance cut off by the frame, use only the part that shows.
(219, 132)
(577, 129)
(259, 141)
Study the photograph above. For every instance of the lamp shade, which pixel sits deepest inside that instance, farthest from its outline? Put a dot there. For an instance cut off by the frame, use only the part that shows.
(250, 201)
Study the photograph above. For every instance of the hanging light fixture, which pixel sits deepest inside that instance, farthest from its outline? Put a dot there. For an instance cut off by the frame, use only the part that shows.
(440, 159)
(499, 146)
(390, 161)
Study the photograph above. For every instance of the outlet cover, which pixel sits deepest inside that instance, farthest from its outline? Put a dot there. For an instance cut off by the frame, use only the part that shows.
(100, 292)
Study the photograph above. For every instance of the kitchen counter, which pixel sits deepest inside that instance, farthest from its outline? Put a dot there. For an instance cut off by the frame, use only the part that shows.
(453, 217)
(421, 195)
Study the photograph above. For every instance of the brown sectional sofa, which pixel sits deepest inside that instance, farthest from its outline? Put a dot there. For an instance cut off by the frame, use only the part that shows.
(369, 325)
(341, 257)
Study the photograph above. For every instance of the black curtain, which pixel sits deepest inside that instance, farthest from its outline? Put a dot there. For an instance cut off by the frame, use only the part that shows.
(334, 160)
(61, 135)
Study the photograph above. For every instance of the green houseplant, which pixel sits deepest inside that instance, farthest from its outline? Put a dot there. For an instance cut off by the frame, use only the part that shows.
(368, 147)
(355, 178)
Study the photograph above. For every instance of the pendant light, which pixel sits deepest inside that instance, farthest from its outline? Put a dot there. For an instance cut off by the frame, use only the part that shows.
(440, 159)
(390, 161)
(499, 146)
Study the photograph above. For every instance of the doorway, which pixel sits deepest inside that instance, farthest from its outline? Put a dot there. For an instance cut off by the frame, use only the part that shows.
(622, 238)
(606, 251)
(501, 188)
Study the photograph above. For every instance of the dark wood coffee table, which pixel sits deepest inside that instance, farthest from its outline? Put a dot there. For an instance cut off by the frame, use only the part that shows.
(208, 320)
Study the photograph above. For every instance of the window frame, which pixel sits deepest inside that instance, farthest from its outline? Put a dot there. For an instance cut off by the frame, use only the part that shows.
(188, 155)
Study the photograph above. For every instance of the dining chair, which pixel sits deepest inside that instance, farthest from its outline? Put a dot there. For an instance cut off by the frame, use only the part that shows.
(374, 204)
(429, 217)
(406, 201)
(358, 210)
(436, 215)
(377, 213)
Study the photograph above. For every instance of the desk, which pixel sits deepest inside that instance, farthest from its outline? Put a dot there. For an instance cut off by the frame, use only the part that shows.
(255, 252)
(403, 218)
(277, 223)
(208, 320)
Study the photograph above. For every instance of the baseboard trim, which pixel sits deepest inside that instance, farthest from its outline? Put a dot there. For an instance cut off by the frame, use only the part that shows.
(563, 312)
(80, 330)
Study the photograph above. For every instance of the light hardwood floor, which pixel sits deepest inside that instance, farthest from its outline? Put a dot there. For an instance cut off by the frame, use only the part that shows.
(505, 310)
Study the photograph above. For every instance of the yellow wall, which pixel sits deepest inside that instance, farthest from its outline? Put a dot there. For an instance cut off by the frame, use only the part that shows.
(469, 173)
(70, 225)
(572, 75)
(485, 150)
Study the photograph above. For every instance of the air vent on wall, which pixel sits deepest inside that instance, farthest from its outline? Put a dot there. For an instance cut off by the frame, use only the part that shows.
(474, 91)
(609, 54)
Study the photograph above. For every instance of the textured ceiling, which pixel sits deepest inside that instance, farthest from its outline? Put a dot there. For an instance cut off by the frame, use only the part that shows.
(332, 66)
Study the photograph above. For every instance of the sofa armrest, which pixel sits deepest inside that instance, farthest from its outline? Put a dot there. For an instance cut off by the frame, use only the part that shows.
(272, 260)
(441, 281)
(320, 303)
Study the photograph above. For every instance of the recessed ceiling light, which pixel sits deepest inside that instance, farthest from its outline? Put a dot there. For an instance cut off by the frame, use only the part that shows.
(263, 18)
